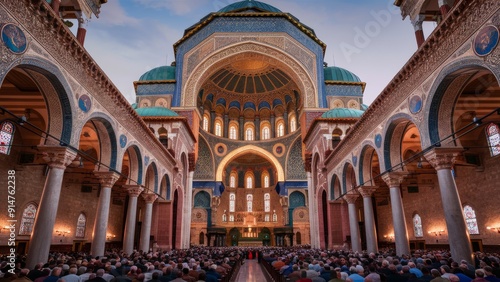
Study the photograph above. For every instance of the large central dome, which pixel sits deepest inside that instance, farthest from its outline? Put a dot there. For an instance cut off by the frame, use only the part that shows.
(249, 5)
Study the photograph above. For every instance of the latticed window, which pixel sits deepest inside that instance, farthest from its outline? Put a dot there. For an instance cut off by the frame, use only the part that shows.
(417, 226)
(281, 129)
(249, 182)
(205, 123)
(249, 203)
(6, 137)
(232, 181)
(218, 128)
(28, 220)
(266, 133)
(470, 219)
(293, 124)
(249, 134)
(275, 216)
(233, 132)
(267, 202)
(266, 180)
(80, 226)
(493, 134)
(232, 199)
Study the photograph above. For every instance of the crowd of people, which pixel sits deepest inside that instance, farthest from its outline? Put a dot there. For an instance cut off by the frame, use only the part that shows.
(294, 264)
(310, 265)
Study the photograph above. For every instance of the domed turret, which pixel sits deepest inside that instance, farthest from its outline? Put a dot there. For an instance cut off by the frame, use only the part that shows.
(340, 74)
(342, 113)
(249, 5)
(156, 112)
(159, 73)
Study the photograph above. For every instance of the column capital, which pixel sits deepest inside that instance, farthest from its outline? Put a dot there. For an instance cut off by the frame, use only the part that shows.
(107, 178)
(444, 158)
(367, 191)
(393, 179)
(133, 190)
(351, 198)
(57, 156)
(149, 197)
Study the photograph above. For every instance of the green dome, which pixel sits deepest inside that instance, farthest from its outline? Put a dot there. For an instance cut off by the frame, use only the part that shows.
(156, 112)
(340, 74)
(342, 113)
(159, 73)
(248, 5)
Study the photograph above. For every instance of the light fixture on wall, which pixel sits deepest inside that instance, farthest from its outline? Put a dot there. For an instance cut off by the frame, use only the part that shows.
(109, 237)
(389, 237)
(62, 233)
(436, 233)
(497, 229)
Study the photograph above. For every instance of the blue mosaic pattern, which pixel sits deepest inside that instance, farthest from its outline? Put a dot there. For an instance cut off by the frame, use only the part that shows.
(250, 24)
(156, 89)
(297, 199)
(204, 165)
(202, 199)
(295, 166)
(344, 90)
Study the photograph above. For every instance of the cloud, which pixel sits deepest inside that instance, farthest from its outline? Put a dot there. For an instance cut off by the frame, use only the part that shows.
(179, 7)
(114, 14)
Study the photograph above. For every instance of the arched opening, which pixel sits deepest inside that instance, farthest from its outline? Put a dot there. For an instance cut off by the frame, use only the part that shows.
(325, 222)
(175, 227)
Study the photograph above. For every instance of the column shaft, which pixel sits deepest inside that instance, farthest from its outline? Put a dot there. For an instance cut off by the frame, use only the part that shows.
(370, 229)
(393, 180)
(353, 222)
(128, 236)
(312, 222)
(146, 221)
(57, 159)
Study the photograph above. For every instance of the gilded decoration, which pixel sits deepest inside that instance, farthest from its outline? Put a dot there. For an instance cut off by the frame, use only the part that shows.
(217, 61)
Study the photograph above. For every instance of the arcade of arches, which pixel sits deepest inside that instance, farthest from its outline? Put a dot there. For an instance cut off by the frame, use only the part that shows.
(250, 139)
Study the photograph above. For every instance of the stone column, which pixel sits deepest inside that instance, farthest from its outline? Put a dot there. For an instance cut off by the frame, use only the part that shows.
(128, 237)
(353, 222)
(212, 122)
(225, 128)
(107, 180)
(419, 32)
(242, 128)
(149, 198)
(57, 159)
(444, 6)
(257, 127)
(186, 214)
(273, 126)
(370, 229)
(312, 222)
(393, 180)
(442, 159)
(285, 119)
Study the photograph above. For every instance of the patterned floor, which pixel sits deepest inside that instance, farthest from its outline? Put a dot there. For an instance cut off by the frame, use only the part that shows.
(250, 271)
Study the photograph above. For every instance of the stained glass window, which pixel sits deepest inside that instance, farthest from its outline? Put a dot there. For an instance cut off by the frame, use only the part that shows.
(293, 124)
(266, 181)
(218, 128)
(281, 129)
(470, 219)
(205, 123)
(267, 202)
(232, 132)
(249, 134)
(232, 198)
(249, 203)
(249, 182)
(6, 137)
(493, 134)
(28, 220)
(232, 181)
(266, 133)
(417, 226)
(80, 226)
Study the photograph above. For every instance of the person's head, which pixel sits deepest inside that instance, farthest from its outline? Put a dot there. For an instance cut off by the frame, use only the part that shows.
(479, 273)
(488, 270)
(99, 272)
(24, 272)
(453, 278)
(445, 269)
(56, 271)
(202, 276)
(73, 270)
(405, 269)
(435, 273)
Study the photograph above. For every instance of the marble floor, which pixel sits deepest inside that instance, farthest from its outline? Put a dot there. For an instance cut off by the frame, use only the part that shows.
(251, 271)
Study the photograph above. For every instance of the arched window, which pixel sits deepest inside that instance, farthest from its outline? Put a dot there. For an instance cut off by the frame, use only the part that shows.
(267, 202)
(275, 216)
(281, 129)
(6, 137)
(231, 218)
(249, 134)
(205, 122)
(249, 181)
(232, 199)
(80, 226)
(265, 179)
(470, 219)
(417, 226)
(249, 202)
(266, 133)
(224, 217)
(266, 217)
(28, 220)
(493, 134)
(218, 128)
(232, 181)
(233, 132)
(293, 124)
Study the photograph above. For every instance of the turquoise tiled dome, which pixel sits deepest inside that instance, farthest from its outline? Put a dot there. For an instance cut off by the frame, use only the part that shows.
(159, 73)
(342, 113)
(249, 4)
(340, 74)
(156, 112)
